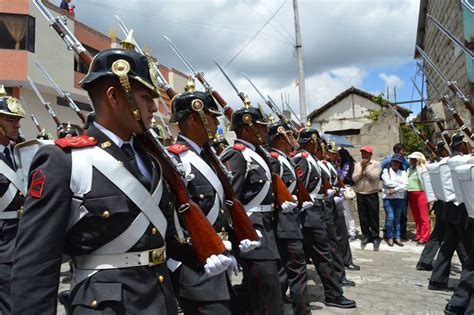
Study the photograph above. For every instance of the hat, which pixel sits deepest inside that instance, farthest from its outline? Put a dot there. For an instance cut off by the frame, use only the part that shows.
(191, 101)
(307, 134)
(114, 61)
(457, 139)
(276, 129)
(10, 105)
(417, 155)
(397, 157)
(367, 148)
(440, 146)
(248, 115)
(331, 147)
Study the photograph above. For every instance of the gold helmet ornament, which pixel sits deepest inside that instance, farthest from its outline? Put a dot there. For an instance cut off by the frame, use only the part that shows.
(10, 105)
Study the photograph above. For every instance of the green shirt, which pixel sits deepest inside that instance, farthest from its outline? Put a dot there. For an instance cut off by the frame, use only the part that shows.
(414, 182)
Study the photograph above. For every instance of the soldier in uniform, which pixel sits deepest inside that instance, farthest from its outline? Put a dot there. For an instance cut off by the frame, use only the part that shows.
(251, 178)
(340, 221)
(11, 191)
(100, 199)
(455, 231)
(219, 144)
(316, 241)
(288, 228)
(196, 114)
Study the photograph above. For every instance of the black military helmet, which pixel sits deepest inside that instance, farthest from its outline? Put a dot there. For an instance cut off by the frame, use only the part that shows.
(247, 115)
(9, 105)
(113, 61)
(219, 142)
(276, 129)
(307, 134)
(67, 131)
(440, 146)
(457, 139)
(192, 101)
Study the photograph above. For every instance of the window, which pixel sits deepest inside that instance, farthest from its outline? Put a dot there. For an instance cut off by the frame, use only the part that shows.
(18, 32)
(82, 106)
(345, 132)
(79, 66)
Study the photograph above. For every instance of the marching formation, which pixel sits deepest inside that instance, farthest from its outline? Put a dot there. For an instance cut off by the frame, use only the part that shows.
(147, 227)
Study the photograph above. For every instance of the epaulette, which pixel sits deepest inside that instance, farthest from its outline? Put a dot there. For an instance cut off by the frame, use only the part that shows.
(178, 148)
(292, 153)
(299, 172)
(325, 162)
(274, 155)
(305, 154)
(76, 142)
(238, 146)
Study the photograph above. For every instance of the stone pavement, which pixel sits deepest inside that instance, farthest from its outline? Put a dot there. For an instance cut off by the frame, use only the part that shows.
(387, 283)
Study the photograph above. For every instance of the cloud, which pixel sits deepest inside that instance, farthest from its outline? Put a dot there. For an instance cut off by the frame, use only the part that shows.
(391, 80)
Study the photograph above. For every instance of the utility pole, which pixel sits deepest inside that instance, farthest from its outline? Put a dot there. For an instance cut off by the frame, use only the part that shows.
(299, 62)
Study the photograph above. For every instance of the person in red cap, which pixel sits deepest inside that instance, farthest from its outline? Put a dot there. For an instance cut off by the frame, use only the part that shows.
(366, 175)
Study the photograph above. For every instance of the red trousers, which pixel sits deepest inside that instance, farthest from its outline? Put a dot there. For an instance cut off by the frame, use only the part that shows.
(419, 208)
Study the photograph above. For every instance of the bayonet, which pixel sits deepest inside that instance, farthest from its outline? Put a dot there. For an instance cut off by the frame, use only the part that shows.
(47, 105)
(65, 96)
(33, 117)
(241, 95)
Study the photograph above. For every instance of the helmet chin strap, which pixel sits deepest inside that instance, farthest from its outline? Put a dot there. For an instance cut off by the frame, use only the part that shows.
(198, 106)
(3, 132)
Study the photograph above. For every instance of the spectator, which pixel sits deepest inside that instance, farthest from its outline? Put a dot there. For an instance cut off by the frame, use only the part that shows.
(71, 10)
(367, 179)
(65, 5)
(399, 148)
(395, 182)
(344, 171)
(417, 197)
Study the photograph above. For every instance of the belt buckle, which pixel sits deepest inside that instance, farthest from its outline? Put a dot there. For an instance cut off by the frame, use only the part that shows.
(156, 256)
(19, 212)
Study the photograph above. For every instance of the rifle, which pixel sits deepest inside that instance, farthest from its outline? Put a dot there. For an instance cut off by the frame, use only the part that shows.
(450, 35)
(224, 107)
(59, 25)
(33, 117)
(273, 107)
(280, 190)
(426, 141)
(205, 240)
(64, 96)
(440, 125)
(47, 105)
(155, 69)
(451, 109)
(452, 85)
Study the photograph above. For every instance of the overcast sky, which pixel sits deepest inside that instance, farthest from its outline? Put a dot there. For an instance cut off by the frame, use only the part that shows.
(365, 43)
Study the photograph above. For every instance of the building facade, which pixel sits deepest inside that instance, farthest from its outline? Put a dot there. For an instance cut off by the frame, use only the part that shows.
(25, 37)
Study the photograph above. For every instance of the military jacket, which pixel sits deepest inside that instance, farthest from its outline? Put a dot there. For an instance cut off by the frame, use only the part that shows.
(195, 284)
(287, 224)
(8, 227)
(50, 228)
(249, 178)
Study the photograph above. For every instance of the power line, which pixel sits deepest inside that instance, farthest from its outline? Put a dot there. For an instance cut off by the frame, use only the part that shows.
(284, 28)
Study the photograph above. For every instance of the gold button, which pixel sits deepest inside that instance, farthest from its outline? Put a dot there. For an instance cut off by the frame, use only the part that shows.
(94, 304)
(91, 139)
(222, 211)
(105, 214)
(201, 196)
(161, 278)
(154, 231)
(20, 193)
(223, 229)
(260, 180)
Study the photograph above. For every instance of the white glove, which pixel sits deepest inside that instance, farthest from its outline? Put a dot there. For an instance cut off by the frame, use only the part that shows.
(288, 206)
(228, 245)
(341, 191)
(217, 264)
(233, 269)
(330, 192)
(248, 245)
(338, 200)
(306, 205)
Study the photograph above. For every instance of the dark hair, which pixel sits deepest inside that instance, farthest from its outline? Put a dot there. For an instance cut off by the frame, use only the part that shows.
(346, 157)
(398, 147)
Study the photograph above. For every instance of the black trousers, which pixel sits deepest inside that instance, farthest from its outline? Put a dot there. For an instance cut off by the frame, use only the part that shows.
(263, 287)
(317, 247)
(404, 219)
(436, 239)
(334, 244)
(5, 299)
(191, 307)
(292, 273)
(463, 294)
(342, 235)
(454, 234)
(368, 207)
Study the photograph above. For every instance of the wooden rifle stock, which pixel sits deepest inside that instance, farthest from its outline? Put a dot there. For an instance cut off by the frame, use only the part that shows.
(326, 184)
(457, 92)
(303, 194)
(241, 223)
(204, 238)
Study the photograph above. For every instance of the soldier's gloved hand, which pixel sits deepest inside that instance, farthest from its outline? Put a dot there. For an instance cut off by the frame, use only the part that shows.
(233, 269)
(341, 191)
(248, 245)
(330, 192)
(306, 205)
(288, 206)
(217, 264)
(338, 200)
(228, 245)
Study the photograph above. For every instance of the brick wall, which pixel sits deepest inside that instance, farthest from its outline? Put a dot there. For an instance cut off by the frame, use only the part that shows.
(450, 60)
